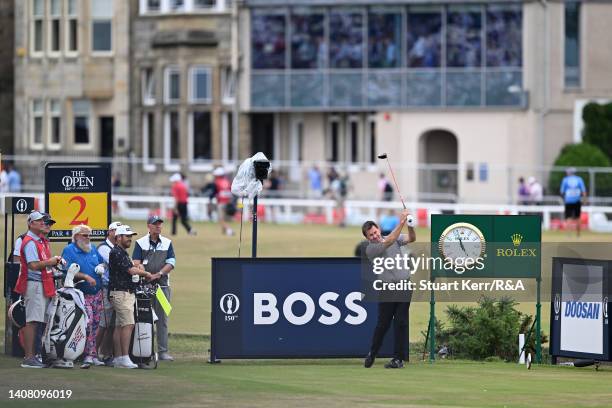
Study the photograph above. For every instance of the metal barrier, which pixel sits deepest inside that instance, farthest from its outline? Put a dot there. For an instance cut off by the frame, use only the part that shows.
(354, 212)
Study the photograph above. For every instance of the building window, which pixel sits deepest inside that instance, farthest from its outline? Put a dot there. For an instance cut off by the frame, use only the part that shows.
(38, 19)
(72, 27)
(150, 6)
(384, 38)
(345, 39)
(437, 56)
(55, 18)
(176, 5)
(504, 36)
(172, 85)
(268, 41)
(182, 6)
(204, 4)
(333, 140)
(228, 86)
(148, 86)
(55, 124)
(572, 44)
(463, 36)
(101, 26)
(148, 141)
(38, 113)
(200, 85)
(172, 141)
(81, 113)
(353, 141)
(308, 50)
(227, 136)
(200, 136)
(371, 144)
(424, 37)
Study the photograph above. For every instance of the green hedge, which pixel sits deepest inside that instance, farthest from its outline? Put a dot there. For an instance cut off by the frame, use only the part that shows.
(582, 155)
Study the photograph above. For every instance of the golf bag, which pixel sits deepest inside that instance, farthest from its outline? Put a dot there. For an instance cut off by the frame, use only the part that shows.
(66, 321)
(142, 344)
(66, 331)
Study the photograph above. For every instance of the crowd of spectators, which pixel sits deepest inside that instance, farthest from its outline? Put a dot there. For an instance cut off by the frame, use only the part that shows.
(346, 39)
(344, 48)
(423, 40)
(384, 40)
(268, 41)
(308, 49)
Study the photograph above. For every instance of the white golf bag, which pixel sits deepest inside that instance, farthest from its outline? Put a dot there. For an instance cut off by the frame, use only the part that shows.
(66, 331)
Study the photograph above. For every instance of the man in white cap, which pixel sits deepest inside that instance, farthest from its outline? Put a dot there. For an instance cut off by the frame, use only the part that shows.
(105, 329)
(35, 283)
(122, 294)
(180, 192)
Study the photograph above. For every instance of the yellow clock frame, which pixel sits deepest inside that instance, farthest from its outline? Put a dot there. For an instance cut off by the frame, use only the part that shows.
(456, 225)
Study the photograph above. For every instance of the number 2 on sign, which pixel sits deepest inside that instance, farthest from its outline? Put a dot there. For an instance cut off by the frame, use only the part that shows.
(82, 205)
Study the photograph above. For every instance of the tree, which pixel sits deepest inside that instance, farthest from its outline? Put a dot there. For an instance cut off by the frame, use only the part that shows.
(598, 126)
(582, 155)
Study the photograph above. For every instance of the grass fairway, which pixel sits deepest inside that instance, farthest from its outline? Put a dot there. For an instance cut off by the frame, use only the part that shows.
(191, 382)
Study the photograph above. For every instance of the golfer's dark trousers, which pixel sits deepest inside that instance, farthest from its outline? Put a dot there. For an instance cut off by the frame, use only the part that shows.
(396, 312)
(181, 209)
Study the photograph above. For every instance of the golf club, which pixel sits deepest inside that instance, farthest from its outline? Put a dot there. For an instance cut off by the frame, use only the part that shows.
(385, 157)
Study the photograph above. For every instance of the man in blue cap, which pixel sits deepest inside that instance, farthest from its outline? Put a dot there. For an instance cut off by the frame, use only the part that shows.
(156, 254)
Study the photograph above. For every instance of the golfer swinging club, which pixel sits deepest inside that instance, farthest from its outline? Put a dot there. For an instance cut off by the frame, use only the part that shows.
(396, 311)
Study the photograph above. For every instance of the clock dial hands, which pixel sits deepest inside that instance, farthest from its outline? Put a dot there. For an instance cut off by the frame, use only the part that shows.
(462, 247)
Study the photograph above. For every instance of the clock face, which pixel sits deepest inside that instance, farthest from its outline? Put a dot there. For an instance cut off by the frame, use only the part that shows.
(462, 241)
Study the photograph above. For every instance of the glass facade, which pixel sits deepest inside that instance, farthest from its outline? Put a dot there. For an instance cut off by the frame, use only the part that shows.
(379, 57)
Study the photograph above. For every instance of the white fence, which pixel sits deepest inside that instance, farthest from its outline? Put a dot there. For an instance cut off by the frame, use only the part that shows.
(294, 211)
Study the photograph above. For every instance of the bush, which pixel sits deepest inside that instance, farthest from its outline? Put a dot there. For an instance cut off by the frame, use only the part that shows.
(489, 330)
(582, 155)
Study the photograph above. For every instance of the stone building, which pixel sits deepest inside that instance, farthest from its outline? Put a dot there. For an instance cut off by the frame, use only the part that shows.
(183, 90)
(7, 96)
(465, 96)
(71, 80)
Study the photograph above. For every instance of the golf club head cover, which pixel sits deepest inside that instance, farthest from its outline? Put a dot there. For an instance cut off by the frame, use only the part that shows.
(72, 270)
(410, 221)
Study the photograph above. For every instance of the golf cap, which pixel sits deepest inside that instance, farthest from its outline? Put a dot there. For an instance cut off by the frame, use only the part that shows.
(124, 230)
(175, 177)
(114, 225)
(153, 219)
(35, 216)
(219, 171)
(47, 218)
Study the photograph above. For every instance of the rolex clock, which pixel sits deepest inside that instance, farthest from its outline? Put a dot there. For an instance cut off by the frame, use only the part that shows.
(463, 241)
